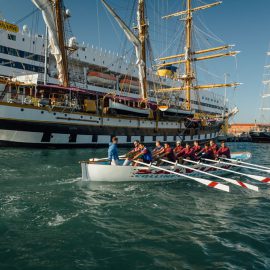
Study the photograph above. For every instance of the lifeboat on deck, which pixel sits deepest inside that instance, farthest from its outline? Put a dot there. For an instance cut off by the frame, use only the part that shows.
(101, 78)
(129, 84)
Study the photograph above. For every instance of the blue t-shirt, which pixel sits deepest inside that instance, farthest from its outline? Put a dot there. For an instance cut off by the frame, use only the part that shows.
(146, 155)
(113, 152)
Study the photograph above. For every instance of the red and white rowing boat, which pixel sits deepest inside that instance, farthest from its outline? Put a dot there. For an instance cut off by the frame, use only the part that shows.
(93, 170)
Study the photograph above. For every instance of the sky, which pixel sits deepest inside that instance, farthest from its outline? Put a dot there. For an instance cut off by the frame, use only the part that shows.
(245, 23)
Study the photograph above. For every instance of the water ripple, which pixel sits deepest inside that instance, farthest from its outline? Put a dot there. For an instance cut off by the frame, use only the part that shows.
(49, 219)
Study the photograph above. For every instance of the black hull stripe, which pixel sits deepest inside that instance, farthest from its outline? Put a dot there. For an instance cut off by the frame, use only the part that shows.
(67, 146)
(261, 140)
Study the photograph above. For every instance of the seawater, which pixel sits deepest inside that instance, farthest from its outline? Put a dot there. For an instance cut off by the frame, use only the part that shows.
(49, 219)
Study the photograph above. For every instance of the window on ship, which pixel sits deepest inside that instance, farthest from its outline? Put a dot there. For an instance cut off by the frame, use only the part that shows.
(12, 37)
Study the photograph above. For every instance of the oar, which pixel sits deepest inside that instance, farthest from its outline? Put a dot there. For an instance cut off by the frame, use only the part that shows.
(232, 181)
(235, 165)
(205, 182)
(97, 159)
(103, 159)
(262, 179)
(246, 163)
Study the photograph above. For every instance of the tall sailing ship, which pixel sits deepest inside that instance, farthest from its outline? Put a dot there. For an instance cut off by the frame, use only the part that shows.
(50, 106)
(261, 132)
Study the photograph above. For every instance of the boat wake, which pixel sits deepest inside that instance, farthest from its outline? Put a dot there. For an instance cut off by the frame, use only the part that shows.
(68, 181)
(59, 220)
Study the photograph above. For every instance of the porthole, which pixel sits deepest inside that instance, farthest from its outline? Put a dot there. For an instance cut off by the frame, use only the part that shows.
(22, 110)
(42, 111)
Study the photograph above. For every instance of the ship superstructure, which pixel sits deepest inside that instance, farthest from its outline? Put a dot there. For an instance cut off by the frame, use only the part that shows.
(23, 53)
(101, 99)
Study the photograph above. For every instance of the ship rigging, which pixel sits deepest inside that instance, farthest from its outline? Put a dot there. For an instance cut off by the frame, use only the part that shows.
(62, 115)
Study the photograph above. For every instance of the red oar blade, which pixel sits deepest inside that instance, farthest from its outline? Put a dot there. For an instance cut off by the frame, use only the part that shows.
(266, 180)
(262, 179)
(213, 184)
(246, 185)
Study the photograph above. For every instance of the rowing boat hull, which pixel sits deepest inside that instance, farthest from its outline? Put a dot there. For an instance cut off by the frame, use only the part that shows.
(107, 173)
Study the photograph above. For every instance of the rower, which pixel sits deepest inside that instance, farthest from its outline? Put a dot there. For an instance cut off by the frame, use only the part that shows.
(178, 148)
(144, 155)
(130, 155)
(188, 153)
(206, 152)
(158, 150)
(168, 153)
(196, 148)
(213, 146)
(223, 151)
(113, 152)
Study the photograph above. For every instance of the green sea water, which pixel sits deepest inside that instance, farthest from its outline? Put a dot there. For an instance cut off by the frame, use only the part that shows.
(49, 219)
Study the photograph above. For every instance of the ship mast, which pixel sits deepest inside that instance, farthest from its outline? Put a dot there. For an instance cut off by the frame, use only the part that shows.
(187, 58)
(188, 77)
(142, 27)
(138, 42)
(61, 38)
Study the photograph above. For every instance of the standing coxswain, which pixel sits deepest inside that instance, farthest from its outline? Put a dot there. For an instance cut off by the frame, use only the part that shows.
(113, 152)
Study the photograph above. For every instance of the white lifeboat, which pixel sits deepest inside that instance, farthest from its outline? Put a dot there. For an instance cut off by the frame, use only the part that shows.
(129, 84)
(101, 78)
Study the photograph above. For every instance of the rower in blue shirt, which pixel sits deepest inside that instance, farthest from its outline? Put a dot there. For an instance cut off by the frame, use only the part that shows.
(144, 155)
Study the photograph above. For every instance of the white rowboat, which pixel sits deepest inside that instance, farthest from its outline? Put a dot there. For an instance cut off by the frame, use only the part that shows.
(102, 172)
